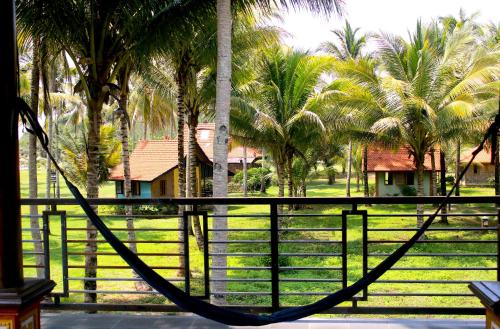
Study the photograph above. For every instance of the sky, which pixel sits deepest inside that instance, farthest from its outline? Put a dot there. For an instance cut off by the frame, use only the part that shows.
(307, 31)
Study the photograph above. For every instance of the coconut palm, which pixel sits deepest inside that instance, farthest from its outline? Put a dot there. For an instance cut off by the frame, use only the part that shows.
(280, 114)
(347, 46)
(223, 97)
(99, 36)
(32, 155)
(431, 92)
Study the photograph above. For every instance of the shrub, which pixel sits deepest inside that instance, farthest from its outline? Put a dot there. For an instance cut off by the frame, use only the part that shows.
(148, 209)
(491, 181)
(233, 187)
(450, 179)
(408, 190)
(254, 178)
(371, 190)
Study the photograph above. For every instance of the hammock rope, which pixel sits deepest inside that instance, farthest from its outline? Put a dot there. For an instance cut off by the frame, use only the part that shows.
(218, 313)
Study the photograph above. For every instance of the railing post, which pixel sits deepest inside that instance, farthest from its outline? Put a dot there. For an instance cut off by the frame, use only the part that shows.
(46, 244)
(206, 265)
(275, 284)
(498, 244)
(365, 250)
(344, 248)
(187, 279)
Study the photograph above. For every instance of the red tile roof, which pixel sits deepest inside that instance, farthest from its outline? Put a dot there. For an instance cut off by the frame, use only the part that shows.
(483, 157)
(150, 159)
(205, 137)
(380, 159)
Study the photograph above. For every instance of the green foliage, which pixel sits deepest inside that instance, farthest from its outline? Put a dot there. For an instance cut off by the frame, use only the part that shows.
(450, 179)
(255, 176)
(407, 190)
(148, 209)
(371, 190)
(74, 149)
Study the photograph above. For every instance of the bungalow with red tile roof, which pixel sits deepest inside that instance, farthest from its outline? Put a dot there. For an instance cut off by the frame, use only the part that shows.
(154, 166)
(154, 170)
(481, 171)
(395, 169)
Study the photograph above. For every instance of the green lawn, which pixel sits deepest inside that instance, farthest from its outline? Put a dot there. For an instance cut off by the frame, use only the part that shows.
(326, 220)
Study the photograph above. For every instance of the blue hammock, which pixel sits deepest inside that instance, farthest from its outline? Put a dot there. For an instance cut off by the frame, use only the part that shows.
(221, 314)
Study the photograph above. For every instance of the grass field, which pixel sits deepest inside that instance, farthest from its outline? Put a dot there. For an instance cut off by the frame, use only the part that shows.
(288, 286)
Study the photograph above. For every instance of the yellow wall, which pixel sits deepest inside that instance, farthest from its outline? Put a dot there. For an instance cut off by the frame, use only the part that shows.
(172, 188)
(169, 186)
(175, 182)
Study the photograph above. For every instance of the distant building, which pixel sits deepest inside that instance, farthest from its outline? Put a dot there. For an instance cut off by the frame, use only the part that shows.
(205, 137)
(154, 165)
(481, 171)
(154, 170)
(395, 169)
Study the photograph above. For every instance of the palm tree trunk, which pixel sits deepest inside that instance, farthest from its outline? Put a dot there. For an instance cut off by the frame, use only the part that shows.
(181, 164)
(349, 166)
(457, 168)
(263, 178)
(57, 153)
(290, 179)
(222, 106)
(32, 161)
(281, 179)
(420, 191)
(49, 110)
(442, 164)
(281, 189)
(127, 181)
(433, 174)
(358, 179)
(93, 144)
(48, 167)
(192, 186)
(245, 174)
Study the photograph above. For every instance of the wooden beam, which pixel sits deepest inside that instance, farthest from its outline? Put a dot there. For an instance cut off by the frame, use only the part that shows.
(11, 273)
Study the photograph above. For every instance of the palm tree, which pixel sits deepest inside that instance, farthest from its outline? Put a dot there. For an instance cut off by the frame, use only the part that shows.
(32, 156)
(280, 114)
(431, 92)
(99, 36)
(347, 46)
(223, 97)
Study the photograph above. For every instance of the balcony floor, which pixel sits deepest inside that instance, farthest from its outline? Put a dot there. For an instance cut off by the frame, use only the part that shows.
(146, 321)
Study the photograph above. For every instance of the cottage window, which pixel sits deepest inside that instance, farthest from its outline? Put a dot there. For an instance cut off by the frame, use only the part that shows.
(136, 188)
(410, 178)
(476, 169)
(389, 178)
(163, 187)
(119, 187)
